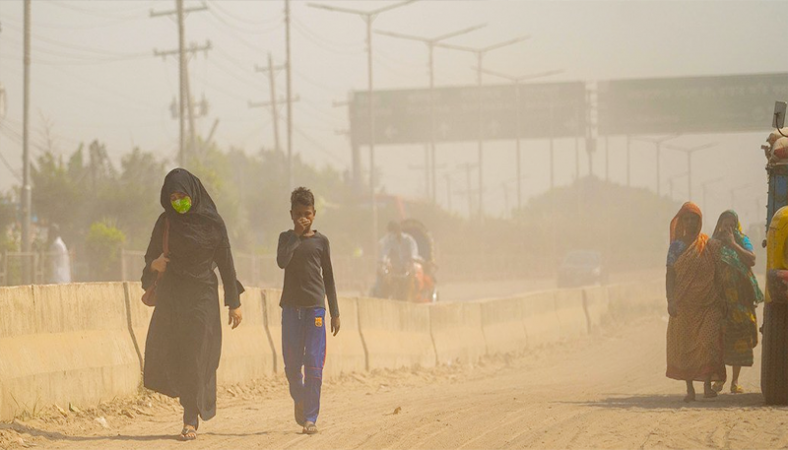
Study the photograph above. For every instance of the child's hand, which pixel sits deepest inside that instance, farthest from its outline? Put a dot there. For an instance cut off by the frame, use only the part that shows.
(300, 226)
(335, 325)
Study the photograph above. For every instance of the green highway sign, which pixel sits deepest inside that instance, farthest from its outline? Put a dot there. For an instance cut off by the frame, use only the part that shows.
(714, 104)
(403, 116)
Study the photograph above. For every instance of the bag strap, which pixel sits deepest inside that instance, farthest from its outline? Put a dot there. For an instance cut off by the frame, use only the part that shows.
(166, 237)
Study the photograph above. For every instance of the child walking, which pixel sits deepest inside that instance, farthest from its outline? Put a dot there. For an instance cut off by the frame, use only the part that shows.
(305, 255)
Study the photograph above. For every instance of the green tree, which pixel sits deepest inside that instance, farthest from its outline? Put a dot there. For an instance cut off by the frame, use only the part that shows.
(103, 246)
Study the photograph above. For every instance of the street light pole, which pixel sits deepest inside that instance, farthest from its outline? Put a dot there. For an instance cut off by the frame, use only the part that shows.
(368, 17)
(430, 43)
(689, 151)
(26, 188)
(517, 80)
(480, 52)
(658, 142)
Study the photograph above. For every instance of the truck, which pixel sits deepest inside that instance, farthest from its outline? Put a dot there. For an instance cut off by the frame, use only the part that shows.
(774, 353)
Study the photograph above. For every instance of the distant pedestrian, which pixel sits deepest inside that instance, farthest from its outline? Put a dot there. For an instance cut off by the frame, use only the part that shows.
(185, 336)
(59, 267)
(741, 293)
(305, 255)
(695, 304)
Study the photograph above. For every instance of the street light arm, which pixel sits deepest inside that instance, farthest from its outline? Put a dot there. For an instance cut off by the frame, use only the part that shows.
(457, 47)
(402, 36)
(390, 7)
(427, 40)
(497, 74)
(338, 9)
(505, 43)
(458, 33)
(521, 77)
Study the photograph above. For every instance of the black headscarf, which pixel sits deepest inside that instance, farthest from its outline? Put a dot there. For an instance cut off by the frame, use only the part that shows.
(201, 226)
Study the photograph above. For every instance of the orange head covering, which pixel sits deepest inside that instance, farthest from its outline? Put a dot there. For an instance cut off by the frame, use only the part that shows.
(678, 231)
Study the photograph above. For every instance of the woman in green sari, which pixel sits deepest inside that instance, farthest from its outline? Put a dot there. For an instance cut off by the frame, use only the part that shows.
(742, 295)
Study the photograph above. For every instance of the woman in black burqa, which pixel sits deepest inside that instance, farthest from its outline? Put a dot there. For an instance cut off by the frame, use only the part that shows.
(185, 336)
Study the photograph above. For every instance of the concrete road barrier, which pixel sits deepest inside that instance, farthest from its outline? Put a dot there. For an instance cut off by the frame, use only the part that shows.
(246, 352)
(345, 352)
(571, 314)
(84, 343)
(540, 319)
(396, 334)
(138, 318)
(502, 324)
(637, 298)
(457, 332)
(61, 344)
(273, 323)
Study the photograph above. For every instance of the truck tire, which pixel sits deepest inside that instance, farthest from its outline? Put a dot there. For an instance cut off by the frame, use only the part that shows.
(774, 357)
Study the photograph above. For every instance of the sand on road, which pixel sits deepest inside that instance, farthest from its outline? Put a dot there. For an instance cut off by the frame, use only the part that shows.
(604, 391)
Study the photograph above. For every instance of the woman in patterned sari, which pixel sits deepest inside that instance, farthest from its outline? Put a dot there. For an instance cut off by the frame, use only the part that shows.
(741, 293)
(694, 339)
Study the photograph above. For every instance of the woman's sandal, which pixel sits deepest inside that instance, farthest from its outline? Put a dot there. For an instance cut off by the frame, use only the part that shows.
(736, 389)
(188, 434)
(310, 428)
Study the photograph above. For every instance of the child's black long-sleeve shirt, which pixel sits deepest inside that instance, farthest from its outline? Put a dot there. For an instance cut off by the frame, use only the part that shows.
(309, 277)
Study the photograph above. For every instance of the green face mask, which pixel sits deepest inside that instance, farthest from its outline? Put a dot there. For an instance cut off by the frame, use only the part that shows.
(182, 205)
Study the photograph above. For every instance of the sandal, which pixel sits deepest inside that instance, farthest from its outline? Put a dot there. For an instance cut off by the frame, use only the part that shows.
(188, 434)
(736, 389)
(718, 385)
(310, 428)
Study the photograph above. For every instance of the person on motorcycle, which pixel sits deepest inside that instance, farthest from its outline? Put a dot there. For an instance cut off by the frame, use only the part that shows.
(398, 253)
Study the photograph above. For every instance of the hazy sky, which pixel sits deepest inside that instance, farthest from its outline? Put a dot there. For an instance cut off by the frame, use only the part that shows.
(94, 76)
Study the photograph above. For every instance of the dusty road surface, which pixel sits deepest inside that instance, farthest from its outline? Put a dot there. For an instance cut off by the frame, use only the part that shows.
(605, 391)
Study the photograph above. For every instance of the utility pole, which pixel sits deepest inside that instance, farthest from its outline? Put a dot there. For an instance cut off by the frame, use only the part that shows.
(430, 43)
(27, 202)
(427, 167)
(274, 105)
(185, 94)
(288, 88)
(689, 151)
(480, 53)
(271, 71)
(517, 80)
(368, 17)
(468, 167)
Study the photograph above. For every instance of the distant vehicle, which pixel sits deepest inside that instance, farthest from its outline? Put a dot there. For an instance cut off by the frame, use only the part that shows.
(582, 268)
(417, 284)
